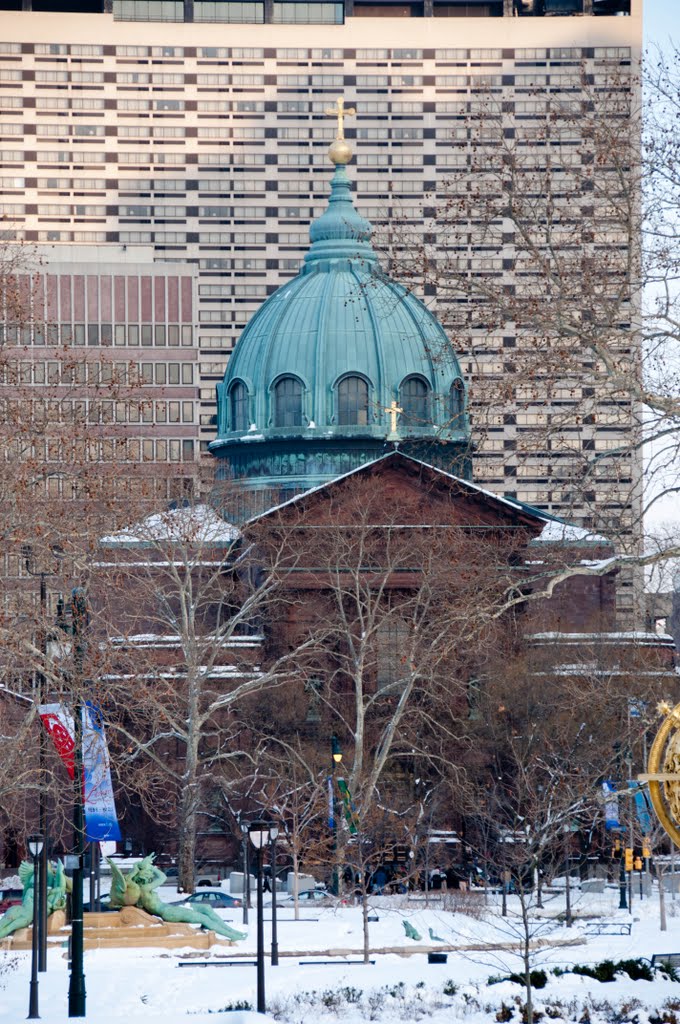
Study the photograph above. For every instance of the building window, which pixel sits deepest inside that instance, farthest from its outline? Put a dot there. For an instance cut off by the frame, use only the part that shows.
(353, 402)
(148, 10)
(251, 13)
(238, 406)
(414, 399)
(392, 650)
(307, 13)
(288, 403)
(457, 405)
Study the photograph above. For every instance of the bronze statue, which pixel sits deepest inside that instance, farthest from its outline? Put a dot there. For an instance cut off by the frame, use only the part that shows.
(21, 916)
(137, 888)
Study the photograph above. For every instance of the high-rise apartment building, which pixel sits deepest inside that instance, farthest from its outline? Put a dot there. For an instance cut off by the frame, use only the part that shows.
(198, 130)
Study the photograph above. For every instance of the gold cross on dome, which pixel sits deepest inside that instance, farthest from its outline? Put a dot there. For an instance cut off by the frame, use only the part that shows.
(341, 112)
(393, 411)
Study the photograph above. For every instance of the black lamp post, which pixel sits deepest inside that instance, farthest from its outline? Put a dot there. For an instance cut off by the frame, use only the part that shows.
(259, 832)
(76, 991)
(30, 565)
(35, 847)
(336, 753)
(273, 833)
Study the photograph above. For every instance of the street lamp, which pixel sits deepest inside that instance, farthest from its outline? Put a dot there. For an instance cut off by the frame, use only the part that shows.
(57, 553)
(336, 754)
(35, 847)
(259, 832)
(273, 833)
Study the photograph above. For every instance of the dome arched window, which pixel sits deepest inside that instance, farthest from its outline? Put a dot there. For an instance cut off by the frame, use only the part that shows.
(288, 402)
(457, 405)
(353, 402)
(414, 399)
(238, 406)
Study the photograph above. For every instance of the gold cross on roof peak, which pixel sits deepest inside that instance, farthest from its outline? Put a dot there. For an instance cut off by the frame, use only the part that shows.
(341, 112)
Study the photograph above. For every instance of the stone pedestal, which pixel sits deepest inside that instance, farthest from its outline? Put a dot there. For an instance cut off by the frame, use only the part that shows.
(126, 928)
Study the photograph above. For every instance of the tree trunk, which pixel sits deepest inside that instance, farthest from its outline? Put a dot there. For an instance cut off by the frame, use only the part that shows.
(187, 842)
(662, 901)
(526, 956)
(364, 916)
(296, 882)
(186, 824)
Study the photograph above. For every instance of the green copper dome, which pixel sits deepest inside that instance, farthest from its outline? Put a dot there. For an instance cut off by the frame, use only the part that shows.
(337, 366)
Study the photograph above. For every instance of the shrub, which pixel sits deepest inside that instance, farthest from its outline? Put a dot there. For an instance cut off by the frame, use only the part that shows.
(450, 987)
(351, 995)
(605, 971)
(537, 979)
(637, 970)
(240, 1004)
(505, 1013)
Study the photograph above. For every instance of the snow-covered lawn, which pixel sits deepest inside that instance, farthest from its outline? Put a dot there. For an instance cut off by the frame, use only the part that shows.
(149, 986)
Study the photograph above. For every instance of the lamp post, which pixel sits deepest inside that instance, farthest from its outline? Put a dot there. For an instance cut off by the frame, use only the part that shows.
(336, 754)
(259, 832)
(35, 846)
(76, 990)
(273, 833)
(246, 873)
(30, 566)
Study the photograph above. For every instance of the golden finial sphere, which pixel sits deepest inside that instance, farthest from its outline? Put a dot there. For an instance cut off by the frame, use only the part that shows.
(339, 152)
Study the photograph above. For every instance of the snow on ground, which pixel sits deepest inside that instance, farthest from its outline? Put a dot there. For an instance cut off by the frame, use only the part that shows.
(148, 985)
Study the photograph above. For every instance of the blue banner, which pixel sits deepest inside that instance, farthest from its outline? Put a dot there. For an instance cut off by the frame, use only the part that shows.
(611, 805)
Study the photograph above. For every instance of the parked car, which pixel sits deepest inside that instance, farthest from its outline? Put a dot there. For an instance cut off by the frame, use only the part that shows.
(10, 898)
(310, 898)
(214, 898)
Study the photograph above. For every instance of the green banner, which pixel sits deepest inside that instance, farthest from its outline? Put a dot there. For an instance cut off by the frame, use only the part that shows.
(348, 807)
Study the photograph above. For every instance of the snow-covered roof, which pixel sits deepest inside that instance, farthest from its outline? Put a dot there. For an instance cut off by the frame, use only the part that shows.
(557, 532)
(193, 525)
(635, 635)
(174, 640)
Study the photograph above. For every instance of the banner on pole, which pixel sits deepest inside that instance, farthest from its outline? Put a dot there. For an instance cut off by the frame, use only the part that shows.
(101, 821)
(611, 806)
(348, 806)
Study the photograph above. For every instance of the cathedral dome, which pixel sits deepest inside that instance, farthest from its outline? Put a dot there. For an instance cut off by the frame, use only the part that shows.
(337, 365)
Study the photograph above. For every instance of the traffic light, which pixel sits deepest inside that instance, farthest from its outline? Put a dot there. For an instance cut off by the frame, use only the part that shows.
(616, 849)
(638, 863)
(646, 851)
(628, 861)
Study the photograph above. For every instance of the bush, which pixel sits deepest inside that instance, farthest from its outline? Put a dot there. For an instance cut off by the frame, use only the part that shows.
(605, 971)
(537, 979)
(637, 970)
(450, 987)
(241, 1004)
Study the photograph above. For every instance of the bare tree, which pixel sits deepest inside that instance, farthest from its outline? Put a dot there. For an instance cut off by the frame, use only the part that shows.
(182, 601)
(558, 230)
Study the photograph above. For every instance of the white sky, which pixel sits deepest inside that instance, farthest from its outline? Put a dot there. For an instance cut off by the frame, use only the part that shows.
(658, 20)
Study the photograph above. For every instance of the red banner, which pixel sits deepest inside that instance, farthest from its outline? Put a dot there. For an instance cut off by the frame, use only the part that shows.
(60, 727)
